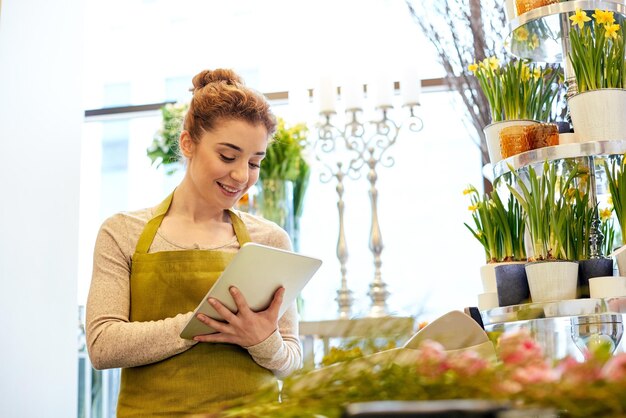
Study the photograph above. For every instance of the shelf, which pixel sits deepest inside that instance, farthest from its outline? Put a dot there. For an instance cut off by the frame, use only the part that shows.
(557, 309)
(545, 23)
(557, 152)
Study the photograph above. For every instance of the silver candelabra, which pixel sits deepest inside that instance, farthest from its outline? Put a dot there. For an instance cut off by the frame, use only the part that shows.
(364, 144)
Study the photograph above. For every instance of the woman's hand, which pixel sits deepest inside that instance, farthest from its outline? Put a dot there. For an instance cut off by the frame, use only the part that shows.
(245, 328)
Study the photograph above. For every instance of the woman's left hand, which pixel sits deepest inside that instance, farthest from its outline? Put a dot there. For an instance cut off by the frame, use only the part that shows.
(245, 328)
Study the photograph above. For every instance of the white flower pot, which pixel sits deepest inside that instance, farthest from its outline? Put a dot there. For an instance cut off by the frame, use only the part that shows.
(552, 280)
(598, 115)
(619, 256)
(492, 136)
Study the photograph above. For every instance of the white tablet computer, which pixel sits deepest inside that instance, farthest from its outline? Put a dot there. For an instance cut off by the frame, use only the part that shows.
(257, 271)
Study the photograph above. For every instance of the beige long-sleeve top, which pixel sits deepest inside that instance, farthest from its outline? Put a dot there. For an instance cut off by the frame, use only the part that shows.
(114, 341)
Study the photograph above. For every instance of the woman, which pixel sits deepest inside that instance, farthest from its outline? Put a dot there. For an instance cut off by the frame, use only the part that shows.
(153, 266)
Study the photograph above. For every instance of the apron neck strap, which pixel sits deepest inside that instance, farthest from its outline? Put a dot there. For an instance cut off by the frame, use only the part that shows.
(150, 230)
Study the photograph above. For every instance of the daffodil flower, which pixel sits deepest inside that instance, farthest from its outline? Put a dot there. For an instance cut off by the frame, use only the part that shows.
(605, 214)
(472, 208)
(521, 34)
(603, 17)
(469, 189)
(493, 62)
(525, 73)
(611, 31)
(579, 19)
(473, 67)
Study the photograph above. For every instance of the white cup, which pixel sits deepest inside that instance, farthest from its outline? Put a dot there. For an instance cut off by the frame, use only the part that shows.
(488, 300)
(607, 287)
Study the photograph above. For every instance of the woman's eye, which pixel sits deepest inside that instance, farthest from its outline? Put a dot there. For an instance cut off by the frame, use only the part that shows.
(254, 165)
(226, 158)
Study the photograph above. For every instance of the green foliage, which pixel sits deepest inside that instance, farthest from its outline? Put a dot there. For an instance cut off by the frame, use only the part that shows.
(164, 147)
(498, 228)
(518, 90)
(557, 215)
(597, 54)
(285, 160)
(616, 178)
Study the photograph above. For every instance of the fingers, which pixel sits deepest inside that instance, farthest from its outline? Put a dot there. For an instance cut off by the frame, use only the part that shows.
(240, 300)
(277, 301)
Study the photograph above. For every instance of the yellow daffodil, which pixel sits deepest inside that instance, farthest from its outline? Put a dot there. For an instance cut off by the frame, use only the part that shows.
(605, 214)
(493, 63)
(472, 208)
(579, 19)
(571, 192)
(603, 17)
(537, 73)
(473, 67)
(521, 34)
(534, 41)
(525, 73)
(609, 200)
(611, 31)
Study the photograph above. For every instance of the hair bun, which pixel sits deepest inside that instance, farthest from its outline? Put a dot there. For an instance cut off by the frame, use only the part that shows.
(215, 76)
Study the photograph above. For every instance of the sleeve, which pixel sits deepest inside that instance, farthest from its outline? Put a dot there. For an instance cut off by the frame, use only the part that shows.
(281, 352)
(112, 340)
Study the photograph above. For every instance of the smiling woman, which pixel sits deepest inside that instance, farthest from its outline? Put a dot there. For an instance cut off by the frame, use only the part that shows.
(152, 266)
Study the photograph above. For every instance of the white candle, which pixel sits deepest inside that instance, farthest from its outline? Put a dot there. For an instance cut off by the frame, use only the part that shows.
(384, 90)
(352, 94)
(410, 86)
(326, 94)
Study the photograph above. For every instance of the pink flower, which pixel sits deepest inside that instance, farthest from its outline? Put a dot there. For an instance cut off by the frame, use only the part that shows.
(467, 363)
(518, 348)
(433, 359)
(535, 374)
(615, 369)
(574, 373)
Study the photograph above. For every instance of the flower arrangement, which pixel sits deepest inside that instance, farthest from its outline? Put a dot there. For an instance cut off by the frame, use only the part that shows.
(616, 178)
(164, 148)
(597, 52)
(285, 160)
(518, 89)
(499, 229)
(523, 378)
(552, 204)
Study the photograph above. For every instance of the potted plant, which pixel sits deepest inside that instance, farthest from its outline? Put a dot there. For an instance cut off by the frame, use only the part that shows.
(519, 94)
(547, 201)
(284, 177)
(582, 218)
(500, 230)
(597, 57)
(616, 178)
(164, 148)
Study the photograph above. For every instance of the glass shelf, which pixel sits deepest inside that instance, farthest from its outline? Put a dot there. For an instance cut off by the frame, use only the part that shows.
(557, 152)
(556, 309)
(536, 34)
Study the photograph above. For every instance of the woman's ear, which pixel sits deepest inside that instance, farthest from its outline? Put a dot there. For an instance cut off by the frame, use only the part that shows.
(186, 144)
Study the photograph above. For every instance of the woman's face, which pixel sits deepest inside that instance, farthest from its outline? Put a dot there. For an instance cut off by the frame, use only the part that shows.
(225, 163)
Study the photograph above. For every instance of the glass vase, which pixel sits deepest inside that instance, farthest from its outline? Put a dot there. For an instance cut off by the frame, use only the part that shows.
(275, 203)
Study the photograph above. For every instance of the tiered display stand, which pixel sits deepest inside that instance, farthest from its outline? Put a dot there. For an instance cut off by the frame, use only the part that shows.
(562, 327)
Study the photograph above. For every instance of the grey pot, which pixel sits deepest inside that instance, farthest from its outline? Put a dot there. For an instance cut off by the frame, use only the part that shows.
(512, 284)
(595, 267)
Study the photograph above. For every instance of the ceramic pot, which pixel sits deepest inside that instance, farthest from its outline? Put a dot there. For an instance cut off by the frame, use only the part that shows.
(552, 280)
(619, 256)
(512, 284)
(596, 267)
(598, 115)
(492, 136)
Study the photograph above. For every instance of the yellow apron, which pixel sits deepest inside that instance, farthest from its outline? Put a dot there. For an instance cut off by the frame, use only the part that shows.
(162, 285)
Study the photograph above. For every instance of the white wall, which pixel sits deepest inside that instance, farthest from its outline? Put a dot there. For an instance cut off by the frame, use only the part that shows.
(40, 129)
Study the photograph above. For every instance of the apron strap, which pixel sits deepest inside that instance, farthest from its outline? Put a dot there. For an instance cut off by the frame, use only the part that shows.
(240, 228)
(150, 230)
